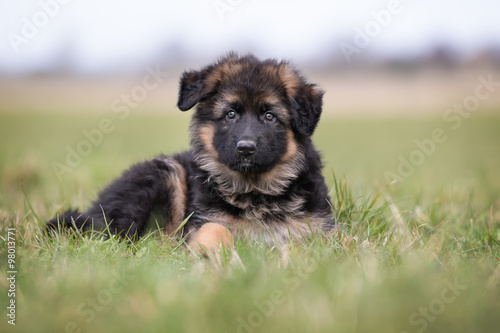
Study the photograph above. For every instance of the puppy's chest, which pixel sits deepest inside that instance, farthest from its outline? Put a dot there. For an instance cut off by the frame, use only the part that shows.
(269, 220)
(255, 207)
(262, 218)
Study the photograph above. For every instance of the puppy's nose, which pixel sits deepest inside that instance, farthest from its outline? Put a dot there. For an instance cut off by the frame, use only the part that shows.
(246, 147)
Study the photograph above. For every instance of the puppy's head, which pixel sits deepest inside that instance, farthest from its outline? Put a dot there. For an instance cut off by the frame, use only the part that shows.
(251, 114)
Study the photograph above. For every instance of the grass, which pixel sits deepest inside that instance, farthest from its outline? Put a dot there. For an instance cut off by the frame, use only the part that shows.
(419, 255)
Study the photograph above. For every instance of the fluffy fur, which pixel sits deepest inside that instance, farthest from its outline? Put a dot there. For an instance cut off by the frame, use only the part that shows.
(252, 167)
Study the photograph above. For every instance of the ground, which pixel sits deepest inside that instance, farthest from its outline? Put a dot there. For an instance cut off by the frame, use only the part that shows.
(418, 249)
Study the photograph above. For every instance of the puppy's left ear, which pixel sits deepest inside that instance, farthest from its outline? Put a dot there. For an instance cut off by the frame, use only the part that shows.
(307, 105)
(193, 88)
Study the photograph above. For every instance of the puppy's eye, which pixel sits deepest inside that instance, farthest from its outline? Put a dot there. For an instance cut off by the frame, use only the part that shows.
(269, 116)
(231, 114)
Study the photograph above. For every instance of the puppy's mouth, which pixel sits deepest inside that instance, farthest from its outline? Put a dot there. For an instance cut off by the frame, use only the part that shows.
(248, 167)
(245, 165)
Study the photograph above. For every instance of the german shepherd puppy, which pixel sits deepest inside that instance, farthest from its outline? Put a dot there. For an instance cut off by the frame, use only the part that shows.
(252, 170)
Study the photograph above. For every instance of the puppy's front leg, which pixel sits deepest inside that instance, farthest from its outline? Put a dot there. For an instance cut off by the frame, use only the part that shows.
(211, 237)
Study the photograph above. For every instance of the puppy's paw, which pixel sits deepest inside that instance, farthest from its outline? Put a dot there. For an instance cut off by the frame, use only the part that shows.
(211, 237)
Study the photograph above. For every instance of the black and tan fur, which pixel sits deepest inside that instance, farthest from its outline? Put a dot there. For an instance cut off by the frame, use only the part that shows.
(252, 168)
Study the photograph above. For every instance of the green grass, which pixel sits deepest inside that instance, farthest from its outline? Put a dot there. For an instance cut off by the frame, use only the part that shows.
(401, 249)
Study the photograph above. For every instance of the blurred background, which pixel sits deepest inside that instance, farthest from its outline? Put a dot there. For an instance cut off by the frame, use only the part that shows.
(370, 56)
(391, 71)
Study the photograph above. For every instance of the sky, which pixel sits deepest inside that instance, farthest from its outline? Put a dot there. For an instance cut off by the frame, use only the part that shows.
(99, 36)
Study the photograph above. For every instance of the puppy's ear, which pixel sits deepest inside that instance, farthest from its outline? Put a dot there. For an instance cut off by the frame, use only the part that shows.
(193, 88)
(306, 100)
(307, 105)
(197, 85)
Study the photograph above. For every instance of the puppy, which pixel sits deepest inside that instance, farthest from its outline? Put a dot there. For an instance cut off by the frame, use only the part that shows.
(252, 170)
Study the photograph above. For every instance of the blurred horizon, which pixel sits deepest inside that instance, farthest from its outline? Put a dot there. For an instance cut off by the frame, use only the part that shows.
(380, 57)
(115, 37)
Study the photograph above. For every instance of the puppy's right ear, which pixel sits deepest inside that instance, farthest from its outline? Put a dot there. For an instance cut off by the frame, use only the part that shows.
(195, 86)
(191, 89)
